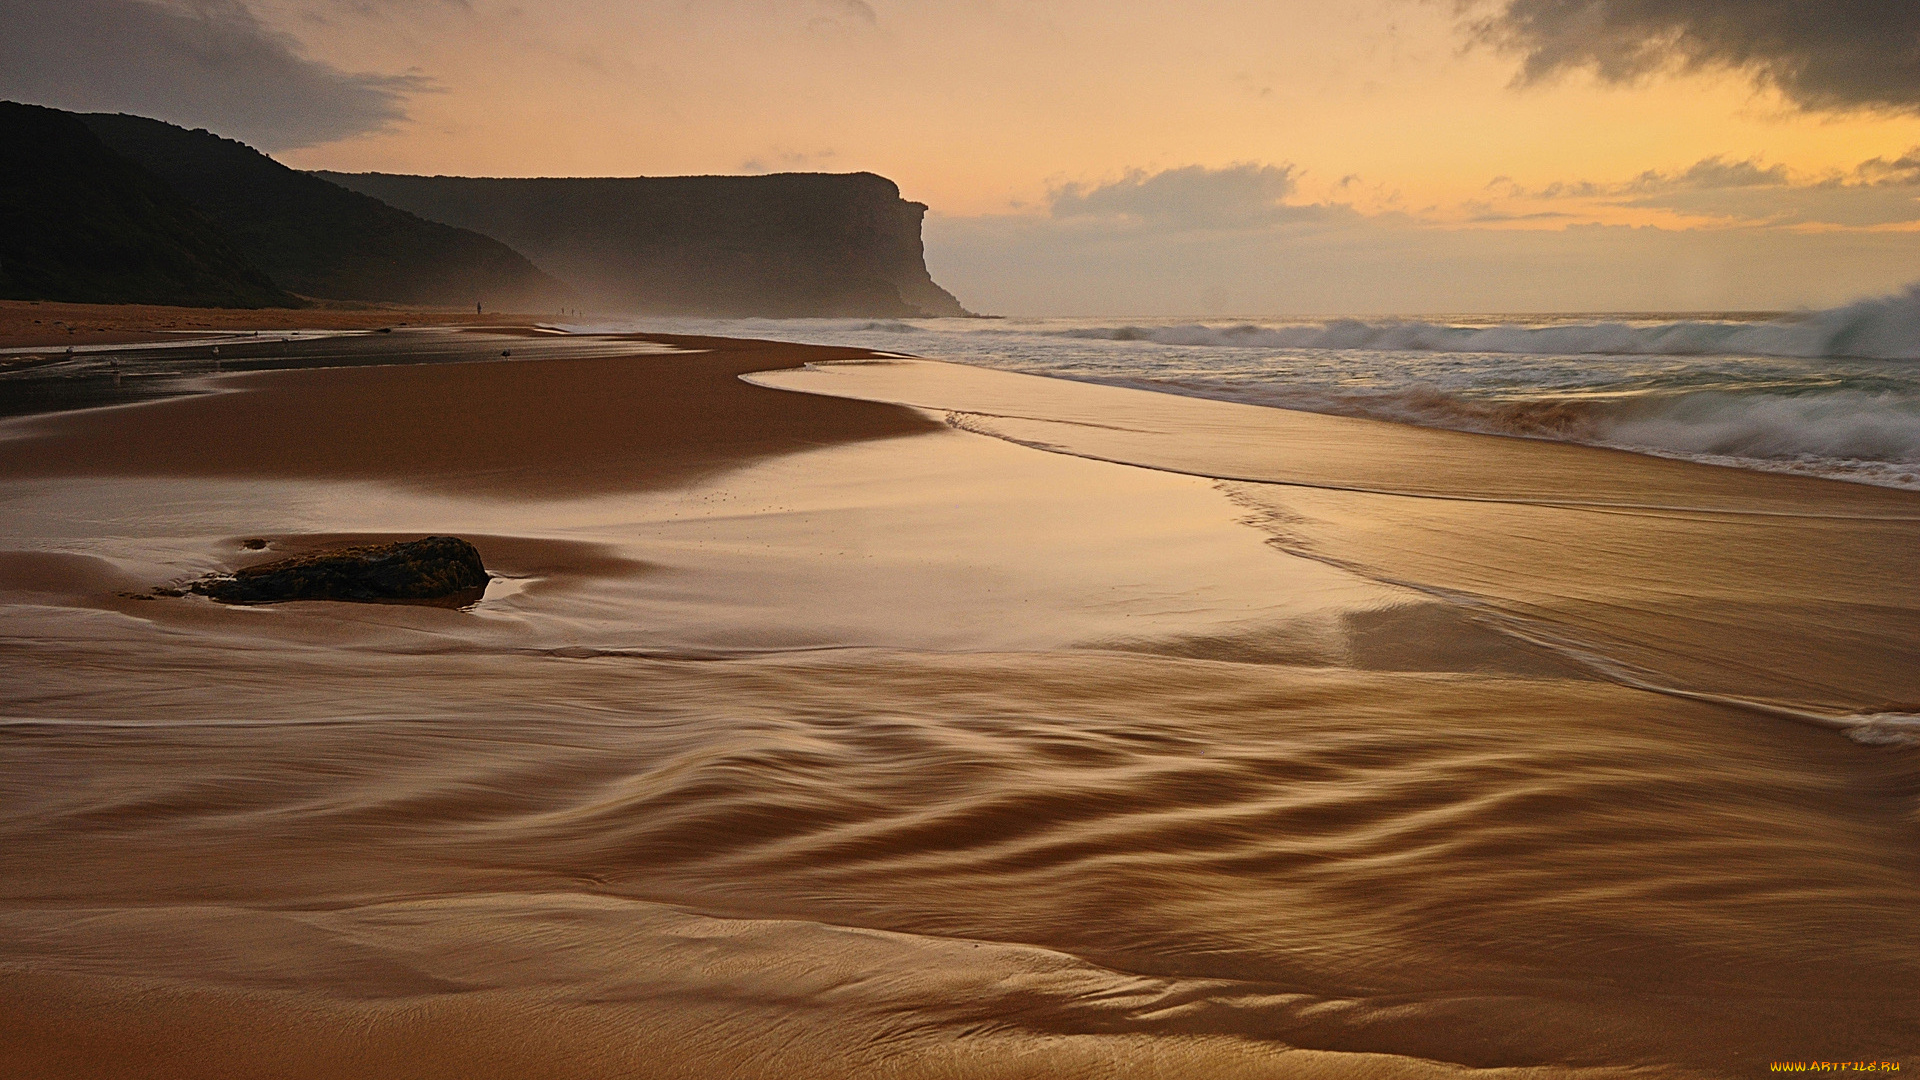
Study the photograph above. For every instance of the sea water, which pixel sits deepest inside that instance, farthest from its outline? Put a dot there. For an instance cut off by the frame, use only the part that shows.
(1832, 393)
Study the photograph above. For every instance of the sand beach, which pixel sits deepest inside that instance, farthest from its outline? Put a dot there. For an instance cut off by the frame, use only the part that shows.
(43, 324)
(833, 714)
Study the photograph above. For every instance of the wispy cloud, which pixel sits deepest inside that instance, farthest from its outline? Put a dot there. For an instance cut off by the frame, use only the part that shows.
(1192, 197)
(1904, 169)
(1714, 173)
(1356, 263)
(1876, 192)
(858, 9)
(784, 160)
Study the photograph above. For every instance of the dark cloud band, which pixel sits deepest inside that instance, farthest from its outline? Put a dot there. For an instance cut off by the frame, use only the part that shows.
(1834, 55)
(202, 63)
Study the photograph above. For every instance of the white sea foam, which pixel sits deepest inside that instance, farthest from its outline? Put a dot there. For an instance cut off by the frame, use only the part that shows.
(1841, 434)
(1838, 426)
(1833, 393)
(1887, 328)
(1885, 729)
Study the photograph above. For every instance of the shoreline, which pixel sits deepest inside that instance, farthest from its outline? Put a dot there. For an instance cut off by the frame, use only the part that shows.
(49, 324)
(640, 418)
(133, 325)
(821, 736)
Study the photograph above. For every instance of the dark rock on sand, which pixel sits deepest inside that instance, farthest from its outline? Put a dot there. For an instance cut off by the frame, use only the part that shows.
(438, 568)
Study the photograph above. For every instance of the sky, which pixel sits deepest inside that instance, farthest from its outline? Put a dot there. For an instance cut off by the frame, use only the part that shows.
(1216, 158)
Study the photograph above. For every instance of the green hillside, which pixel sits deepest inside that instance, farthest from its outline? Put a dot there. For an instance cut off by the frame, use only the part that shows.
(81, 223)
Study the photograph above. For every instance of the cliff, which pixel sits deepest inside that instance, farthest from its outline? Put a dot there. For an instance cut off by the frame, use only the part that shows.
(319, 239)
(792, 244)
(83, 224)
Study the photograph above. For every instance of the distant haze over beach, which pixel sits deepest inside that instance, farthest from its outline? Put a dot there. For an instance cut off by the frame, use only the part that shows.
(1224, 158)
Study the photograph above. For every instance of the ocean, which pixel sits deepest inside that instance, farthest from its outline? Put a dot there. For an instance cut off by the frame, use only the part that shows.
(1833, 393)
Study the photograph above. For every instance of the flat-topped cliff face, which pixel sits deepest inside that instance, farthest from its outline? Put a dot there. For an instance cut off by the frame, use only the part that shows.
(785, 245)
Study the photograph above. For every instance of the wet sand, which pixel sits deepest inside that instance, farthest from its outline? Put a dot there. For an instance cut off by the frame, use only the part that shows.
(1023, 729)
(31, 324)
(1788, 592)
(555, 428)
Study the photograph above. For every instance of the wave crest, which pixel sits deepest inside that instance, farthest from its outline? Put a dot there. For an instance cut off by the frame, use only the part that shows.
(1886, 328)
(1842, 434)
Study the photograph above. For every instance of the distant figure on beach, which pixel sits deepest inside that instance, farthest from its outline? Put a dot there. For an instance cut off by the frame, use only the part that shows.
(476, 307)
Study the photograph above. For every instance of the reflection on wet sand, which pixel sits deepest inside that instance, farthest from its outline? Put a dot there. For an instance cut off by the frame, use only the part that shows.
(1786, 591)
(819, 738)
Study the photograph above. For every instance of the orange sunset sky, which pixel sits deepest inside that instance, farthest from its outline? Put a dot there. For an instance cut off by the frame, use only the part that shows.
(1216, 157)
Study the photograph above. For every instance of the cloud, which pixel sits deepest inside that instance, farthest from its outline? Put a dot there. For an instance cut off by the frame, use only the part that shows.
(1852, 205)
(379, 8)
(1194, 197)
(1904, 169)
(1228, 242)
(1713, 174)
(783, 160)
(1486, 215)
(859, 9)
(1833, 55)
(1876, 192)
(841, 19)
(1359, 264)
(201, 63)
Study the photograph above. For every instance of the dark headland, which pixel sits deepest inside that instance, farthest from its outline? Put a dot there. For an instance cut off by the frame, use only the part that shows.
(79, 222)
(114, 209)
(789, 244)
(318, 239)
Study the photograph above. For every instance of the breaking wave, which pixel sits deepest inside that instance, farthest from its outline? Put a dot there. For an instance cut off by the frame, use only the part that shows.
(1833, 393)
(1843, 434)
(1887, 328)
